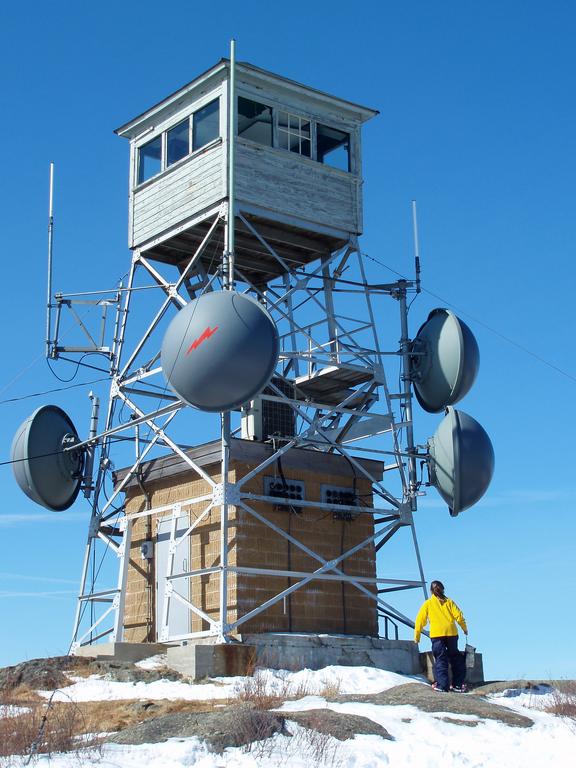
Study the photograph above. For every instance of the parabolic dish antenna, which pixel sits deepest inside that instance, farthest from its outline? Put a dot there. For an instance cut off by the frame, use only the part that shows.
(220, 350)
(461, 460)
(47, 473)
(448, 362)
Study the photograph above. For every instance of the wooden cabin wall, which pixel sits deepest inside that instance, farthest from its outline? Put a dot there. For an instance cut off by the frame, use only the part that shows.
(197, 183)
(290, 185)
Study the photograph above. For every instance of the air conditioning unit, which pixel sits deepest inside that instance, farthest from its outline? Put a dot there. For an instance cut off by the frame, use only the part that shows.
(264, 419)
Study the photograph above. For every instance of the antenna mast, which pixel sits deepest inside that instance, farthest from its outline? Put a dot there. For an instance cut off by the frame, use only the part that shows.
(50, 236)
(416, 246)
(230, 242)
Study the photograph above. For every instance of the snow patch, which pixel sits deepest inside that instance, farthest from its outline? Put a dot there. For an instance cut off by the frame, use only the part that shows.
(10, 710)
(95, 688)
(159, 661)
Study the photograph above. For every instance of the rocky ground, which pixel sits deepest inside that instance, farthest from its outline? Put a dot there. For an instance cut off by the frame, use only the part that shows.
(234, 723)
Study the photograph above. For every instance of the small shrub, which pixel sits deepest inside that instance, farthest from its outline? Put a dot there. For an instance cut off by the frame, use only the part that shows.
(255, 691)
(320, 747)
(563, 701)
(331, 688)
(255, 728)
(40, 729)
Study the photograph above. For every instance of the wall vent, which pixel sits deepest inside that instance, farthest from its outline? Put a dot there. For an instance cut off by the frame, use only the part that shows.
(337, 494)
(285, 489)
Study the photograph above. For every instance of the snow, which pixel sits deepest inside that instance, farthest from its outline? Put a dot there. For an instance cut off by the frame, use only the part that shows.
(11, 710)
(420, 739)
(426, 740)
(95, 688)
(152, 662)
(340, 679)
(282, 682)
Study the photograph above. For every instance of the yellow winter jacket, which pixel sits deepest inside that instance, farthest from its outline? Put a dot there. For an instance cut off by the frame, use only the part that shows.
(442, 617)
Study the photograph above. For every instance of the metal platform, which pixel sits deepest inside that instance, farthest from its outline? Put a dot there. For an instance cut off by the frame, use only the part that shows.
(333, 384)
(293, 247)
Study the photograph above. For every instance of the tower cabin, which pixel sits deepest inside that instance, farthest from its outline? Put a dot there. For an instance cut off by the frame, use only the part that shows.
(297, 171)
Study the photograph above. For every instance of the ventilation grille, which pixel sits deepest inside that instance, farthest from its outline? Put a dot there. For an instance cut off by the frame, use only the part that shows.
(289, 489)
(346, 497)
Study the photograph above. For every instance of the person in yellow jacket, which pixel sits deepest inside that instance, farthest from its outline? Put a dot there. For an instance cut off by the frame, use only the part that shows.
(443, 613)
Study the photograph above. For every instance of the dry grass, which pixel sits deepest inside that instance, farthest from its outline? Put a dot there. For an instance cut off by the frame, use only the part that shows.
(71, 727)
(117, 715)
(563, 700)
(331, 688)
(40, 730)
(256, 691)
(254, 729)
(317, 745)
(21, 694)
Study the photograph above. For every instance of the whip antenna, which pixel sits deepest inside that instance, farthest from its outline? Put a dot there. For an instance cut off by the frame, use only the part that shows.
(416, 245)
(50, 236)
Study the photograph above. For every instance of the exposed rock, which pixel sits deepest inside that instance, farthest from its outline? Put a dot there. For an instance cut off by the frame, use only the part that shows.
(48, 674)
(427, 700)
(41, 674)
(499, 686)
(337, 724)
(126, 672)
(242, 724)
(229, 727)
(459, 721)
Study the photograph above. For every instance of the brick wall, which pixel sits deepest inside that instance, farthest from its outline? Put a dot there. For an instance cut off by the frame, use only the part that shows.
(321, 606)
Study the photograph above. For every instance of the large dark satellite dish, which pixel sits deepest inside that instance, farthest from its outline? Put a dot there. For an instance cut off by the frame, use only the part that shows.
(47, 473)
(461, 460)
(447, 361)
(220, 350)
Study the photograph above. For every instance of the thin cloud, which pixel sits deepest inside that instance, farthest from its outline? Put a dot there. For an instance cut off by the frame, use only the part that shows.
(57, 594)
(11, 520)
(520, 496)
(43, 579)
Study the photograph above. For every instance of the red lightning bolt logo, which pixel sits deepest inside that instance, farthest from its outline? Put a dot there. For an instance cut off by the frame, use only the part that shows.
(205, 335)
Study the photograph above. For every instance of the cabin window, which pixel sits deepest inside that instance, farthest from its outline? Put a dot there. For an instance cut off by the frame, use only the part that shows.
(294, 133)
(206, 125)
(254, 121)
(150, 159)
(178, 142)
(333, 147)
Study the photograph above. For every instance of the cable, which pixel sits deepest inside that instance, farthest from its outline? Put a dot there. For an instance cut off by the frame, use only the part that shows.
(53, 372)
(502, 336)
(50, 391)
(85, 365)
(43, 455)
(77, 363)
(22, 372)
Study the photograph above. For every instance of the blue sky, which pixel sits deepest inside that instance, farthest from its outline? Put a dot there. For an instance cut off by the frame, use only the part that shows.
(477, 123)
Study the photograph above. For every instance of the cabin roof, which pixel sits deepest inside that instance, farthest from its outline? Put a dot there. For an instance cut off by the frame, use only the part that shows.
(130, 128)
(249, 452)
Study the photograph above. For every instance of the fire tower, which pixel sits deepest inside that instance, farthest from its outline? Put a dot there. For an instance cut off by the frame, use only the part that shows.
(254, 460)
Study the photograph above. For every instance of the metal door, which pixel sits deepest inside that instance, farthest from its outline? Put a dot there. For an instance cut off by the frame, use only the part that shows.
(178, 613)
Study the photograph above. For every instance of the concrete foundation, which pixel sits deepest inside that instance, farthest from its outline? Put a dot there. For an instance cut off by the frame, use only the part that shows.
(293, 652)
(284, 651)
(131, 652)
(199, 659)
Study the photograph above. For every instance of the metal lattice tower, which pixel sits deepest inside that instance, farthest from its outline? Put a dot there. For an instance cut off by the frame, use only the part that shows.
(330, 395)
